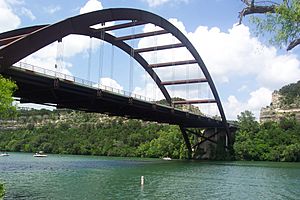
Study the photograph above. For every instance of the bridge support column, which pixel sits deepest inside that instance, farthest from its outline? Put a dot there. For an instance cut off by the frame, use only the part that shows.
(208, 144)
(187, 141)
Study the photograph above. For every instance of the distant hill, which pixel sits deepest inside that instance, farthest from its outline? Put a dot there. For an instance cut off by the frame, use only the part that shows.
(185, 107)
(285, 103)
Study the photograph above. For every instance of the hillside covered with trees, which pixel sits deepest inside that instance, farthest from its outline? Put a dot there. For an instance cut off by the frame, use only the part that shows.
(72, 132)
(278, 137)
(269, 141)
(290, 95)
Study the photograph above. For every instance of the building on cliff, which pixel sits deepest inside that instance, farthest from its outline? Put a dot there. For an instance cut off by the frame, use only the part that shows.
(277, 110)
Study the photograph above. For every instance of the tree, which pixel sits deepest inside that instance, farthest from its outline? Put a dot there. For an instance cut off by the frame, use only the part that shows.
(2, 191)
(290, 94)
(281, 20)
(7, 88)
(246, 122)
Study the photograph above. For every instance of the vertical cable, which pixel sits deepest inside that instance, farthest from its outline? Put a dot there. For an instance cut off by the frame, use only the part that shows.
(112, 63)
(155, 61)
(199, 88)
(131, 58)
(188, 85)
(207, 105)
(101, 55)
(90, 59)
(173, 72)
(59, 55)
(146, 82)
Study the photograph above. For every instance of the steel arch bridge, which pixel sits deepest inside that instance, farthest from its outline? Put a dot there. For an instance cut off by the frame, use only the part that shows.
(18, 44)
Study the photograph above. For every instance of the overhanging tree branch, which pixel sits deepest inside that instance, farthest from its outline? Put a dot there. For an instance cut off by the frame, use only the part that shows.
(293, 44)
(265, 7)
(253, 9)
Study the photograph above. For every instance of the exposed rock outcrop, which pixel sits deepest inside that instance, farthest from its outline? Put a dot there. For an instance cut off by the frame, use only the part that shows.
(278, 110)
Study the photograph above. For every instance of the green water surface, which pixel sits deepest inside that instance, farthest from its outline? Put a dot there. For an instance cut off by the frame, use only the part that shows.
(90, 177)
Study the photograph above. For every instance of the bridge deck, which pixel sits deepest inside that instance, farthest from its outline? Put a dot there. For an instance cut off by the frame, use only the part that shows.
(37, 88)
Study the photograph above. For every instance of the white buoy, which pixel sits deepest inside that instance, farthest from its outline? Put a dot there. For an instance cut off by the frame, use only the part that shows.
(142, 180)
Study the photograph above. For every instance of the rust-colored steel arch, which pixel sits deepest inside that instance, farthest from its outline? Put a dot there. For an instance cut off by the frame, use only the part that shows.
(22, 42)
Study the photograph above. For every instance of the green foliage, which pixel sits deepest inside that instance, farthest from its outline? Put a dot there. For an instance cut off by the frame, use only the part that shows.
(2, 190)
(7, 88)
(271, 141)
(168, 144)
(70, 132)
(290, 94)
(246, 122)
(283, 25)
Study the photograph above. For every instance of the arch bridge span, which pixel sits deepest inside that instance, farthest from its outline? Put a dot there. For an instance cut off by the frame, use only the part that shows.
(20, 43)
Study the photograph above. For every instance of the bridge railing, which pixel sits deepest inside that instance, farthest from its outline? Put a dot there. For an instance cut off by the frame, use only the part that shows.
(77, 80)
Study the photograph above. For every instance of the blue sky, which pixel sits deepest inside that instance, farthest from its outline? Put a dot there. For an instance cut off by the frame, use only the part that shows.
(244, 68)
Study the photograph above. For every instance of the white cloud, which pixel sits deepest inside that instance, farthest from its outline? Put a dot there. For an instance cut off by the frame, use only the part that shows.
(47, 58)
(150, 91)
(229, 56)
(82, 45)
(155, 3)
(279, 71)
(26, 12)
(52, 9)
(243, 88)
(15, 2)
(111, 83)
(238, 54)
(72, 45)
(258, 99)
(8, 19)
(94, 5)
(91, 5)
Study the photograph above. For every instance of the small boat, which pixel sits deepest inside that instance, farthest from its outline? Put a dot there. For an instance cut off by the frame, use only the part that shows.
(4, 154)
(167, 158)
(40, 154)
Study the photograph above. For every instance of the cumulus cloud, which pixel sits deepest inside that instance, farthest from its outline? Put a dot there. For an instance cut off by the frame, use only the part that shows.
(47, 56)
(52, 9)
(279, 70)
(8, 19)
(150, 90)
(111, 83)
(230, 55)
(238, 54)
(155, 3)
(90, 6)
(258, 99)
(26, 12)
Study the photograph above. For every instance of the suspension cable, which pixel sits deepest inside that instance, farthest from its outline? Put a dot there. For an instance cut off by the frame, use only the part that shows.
(101, 55)
(146, 82)
(59, 55)
(207, 98)
(173, 73)
(199, 87)
(188, 85)
(131, 58)
(155, 61)
(90, 59)
(112, 63)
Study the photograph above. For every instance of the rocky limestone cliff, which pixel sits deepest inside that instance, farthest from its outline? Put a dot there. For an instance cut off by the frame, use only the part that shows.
(278, 110)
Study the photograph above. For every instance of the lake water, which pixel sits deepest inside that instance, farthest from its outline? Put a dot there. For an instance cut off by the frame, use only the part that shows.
(91, 177)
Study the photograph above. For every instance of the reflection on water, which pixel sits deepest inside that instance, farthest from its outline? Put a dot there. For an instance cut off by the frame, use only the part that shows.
(88, 177)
